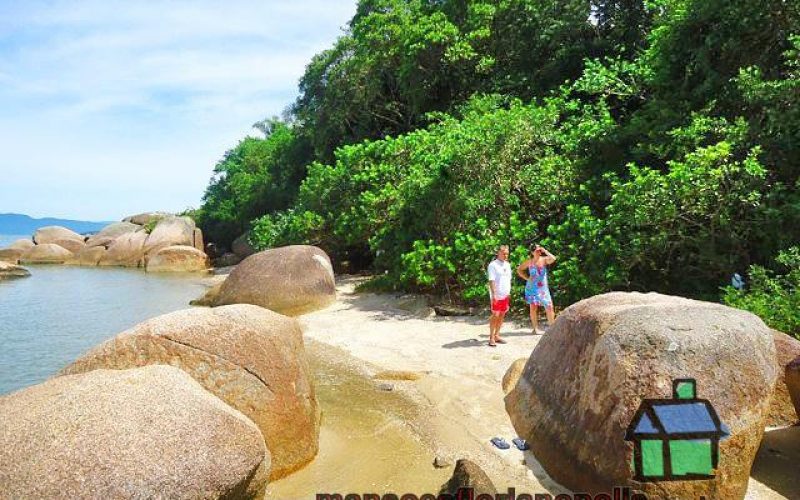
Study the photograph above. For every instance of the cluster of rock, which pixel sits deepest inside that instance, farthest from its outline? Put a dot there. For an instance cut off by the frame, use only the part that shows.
(157, 242)
(199, 403)
(577, 394)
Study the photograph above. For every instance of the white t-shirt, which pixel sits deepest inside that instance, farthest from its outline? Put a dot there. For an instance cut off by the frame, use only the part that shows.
(500, 272)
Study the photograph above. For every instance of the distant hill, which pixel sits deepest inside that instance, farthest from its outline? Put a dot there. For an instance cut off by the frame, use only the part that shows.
(23, 224)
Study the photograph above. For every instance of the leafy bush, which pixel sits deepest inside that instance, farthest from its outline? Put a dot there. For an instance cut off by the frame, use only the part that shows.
(772, 296)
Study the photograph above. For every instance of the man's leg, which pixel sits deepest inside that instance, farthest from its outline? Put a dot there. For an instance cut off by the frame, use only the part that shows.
(492, 327)
(500, 318)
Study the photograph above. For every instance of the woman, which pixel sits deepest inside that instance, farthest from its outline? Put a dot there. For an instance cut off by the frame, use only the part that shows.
(537, 292)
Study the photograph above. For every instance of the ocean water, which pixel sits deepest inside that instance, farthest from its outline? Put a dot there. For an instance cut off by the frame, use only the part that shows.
(60, 312)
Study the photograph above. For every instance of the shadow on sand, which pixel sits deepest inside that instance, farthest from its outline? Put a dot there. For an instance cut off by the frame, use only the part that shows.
(777, 462)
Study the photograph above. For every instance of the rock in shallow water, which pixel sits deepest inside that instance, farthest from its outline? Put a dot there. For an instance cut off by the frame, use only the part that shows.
(179, 258)
(46, 253)
(251, 358)
(588, 376)
(12, 271)
(50, 234)
(150, 432)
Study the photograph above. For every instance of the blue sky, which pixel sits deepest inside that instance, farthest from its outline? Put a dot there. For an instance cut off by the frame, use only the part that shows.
(109, 108)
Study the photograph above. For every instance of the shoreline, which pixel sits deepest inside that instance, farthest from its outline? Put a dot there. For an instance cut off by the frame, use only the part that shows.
(458, 397)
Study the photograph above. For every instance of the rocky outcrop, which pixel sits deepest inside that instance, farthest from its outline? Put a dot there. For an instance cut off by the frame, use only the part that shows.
(88, 256)
(12, 271)
(290, 280)
(209, 298)
(177, 259)
(150, 432)
(251, 358)
(73, 246)
(110, 233)
(126, 251)
(198, 239)
(782, 411)
(467, 475)
(46, 253)
(587, 377)
(22, 244)
(170, 231)
(241, 246)
(792, 374)
(512, 375)
(50, 234)
(11, 255)
(146, 218)
(227, 260)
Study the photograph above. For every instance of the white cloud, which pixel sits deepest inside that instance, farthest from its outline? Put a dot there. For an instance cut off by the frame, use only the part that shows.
(128, 105)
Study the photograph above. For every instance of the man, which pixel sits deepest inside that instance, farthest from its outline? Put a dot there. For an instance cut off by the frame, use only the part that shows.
(499, 272)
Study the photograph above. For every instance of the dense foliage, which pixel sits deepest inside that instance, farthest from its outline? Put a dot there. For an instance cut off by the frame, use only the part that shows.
(651, 145)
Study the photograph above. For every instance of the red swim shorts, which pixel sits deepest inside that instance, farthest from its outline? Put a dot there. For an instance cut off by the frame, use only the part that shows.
(501, 305)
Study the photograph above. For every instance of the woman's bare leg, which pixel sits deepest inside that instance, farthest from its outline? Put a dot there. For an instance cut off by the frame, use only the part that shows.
(551, 315)
(534, 318)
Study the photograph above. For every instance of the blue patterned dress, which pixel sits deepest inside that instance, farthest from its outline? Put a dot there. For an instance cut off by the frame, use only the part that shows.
(536, 289)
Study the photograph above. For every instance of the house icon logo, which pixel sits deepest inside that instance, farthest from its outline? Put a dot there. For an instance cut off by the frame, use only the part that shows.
(676, 439)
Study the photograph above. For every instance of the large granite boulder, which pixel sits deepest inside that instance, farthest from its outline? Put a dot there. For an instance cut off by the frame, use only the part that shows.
(50, 234)
(169, 232)
(586, 379)
(177, 258)
(12, 271)
(782, 411)
(467, 475)
(290, 280)
(111, 232)
(73, 246)
(513, 374)
(11, 255)
(46, 253)
(126, 251)
(792, 374)
(22, 244)
(227, 259)
(198, 239)
(88, 256)
(241, 246)
(251, 358)
(146, 433)
(146, 218)
(209, 297)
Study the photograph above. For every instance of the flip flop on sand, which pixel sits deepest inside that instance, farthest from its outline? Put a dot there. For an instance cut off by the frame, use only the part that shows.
(520, 443)
(500, 443)
(490, 344)
(501, 341)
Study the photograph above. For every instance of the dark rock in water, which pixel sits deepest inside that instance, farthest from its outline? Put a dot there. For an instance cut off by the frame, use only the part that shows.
(227, 259)
(468, 475)
(782, 411)
(451, 310)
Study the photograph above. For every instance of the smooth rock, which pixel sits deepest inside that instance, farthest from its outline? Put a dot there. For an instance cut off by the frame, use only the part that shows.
(170, 231)
(111, 232)
(12, 271)
(290, 280)
(146, 217)
(512, 375)
(50, 234)
(177, 259)
(73, 246)
(45, 253)
(198, 239)
(792, 375)
(11, 255)
(468, 474)
(89, 256)
(241, 246)
(126, 251)
(151, 432)
(249, 357)
(22, 244)
(782, 411)
(208, 298)
(588, 376)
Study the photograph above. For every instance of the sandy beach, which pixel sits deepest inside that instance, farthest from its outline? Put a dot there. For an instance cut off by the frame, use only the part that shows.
(458, 395)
